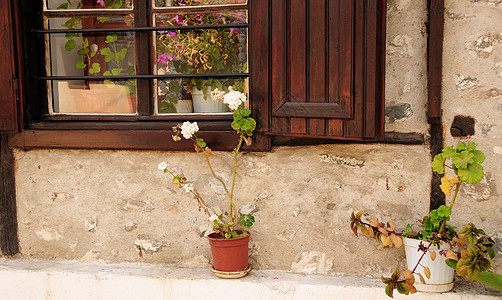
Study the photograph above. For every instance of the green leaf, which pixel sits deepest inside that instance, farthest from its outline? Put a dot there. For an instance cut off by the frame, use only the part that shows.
(70, 35)
(63, 6)
(79, 5)
(96, 68)
(80, 64)
(172, 99)
(103, 19)
(389, 290)
(452, 263)
(461, 147)
(236, 125)
(107, 73)
(116, 71)
(403, 288)
(473, 174)
(201, 143)
(479, 156)
(448, 152)
(166, 107)
(82, 50)
(245, 112)
(396, 275)
(252, 123)
(462, 159)
(70, 45)
(174, 86)
(111, 38)
(438, 164)
(490, 279)
(121, 54)
(491, 252)
(107, 53)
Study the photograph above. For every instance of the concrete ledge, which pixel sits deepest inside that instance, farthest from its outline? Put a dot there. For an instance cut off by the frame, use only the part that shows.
(36, 279)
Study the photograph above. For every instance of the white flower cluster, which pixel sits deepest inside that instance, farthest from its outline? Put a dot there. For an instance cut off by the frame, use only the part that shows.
(189, 129)
(234, 99)
(162, 166)
(213, 218)
(189, 187)
(217, 95)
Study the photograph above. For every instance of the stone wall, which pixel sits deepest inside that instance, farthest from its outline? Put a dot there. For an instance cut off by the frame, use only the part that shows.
(105, 205)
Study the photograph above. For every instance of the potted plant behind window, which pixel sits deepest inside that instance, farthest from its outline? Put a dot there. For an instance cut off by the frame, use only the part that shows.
(433, 252)
(229, 241)
(100, 55)
(203, 51)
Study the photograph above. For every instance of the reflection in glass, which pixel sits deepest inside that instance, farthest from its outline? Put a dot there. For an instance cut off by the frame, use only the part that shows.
(89, 4)
(202, 51)
(167, 3)
(91, 54)
(93, 97)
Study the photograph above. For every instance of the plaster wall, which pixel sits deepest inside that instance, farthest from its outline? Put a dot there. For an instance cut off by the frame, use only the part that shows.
(105, 205)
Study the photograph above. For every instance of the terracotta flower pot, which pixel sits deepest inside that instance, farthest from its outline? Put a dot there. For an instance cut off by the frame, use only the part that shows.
(229, 255)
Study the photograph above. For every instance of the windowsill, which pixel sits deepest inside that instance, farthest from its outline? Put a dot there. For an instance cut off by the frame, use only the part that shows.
(55, 279)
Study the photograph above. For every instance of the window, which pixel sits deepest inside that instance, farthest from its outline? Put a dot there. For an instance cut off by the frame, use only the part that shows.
(311, 68)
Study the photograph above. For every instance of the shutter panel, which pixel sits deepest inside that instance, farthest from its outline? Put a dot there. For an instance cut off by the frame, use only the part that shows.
(326, 68)
(8, 111)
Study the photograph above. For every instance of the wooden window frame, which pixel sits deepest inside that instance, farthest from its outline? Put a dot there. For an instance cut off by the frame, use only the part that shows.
(154, 132)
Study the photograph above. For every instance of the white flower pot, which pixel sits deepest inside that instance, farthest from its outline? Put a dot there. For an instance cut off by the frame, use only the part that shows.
(184, 106)
(441, 275)
(209, 105)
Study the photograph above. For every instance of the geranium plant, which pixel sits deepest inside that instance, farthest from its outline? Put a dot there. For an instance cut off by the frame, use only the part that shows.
(202, 51)
(470, 250)
(228, 223)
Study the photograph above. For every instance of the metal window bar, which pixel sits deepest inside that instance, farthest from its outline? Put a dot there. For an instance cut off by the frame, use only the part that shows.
(134, 29)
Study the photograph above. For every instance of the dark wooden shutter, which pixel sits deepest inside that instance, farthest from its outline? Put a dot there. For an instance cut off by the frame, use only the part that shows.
(8, 82)
(326, 68)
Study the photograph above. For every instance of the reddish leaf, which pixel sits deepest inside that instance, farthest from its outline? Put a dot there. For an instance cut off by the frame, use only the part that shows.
(383, 231)
(392, 226)
(374, 222)
(421, 278)
(354, 228)
(451, 255)
(396, 240)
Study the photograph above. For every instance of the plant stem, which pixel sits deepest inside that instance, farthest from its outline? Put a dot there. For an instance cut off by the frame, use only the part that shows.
(206, 155)
(457, 187)
(236, 152)
(421, 257)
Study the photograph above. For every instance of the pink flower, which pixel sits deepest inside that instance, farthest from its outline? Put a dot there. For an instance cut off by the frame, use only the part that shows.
(234, 30)
(101, 2)
(178, 19)
(164, 58)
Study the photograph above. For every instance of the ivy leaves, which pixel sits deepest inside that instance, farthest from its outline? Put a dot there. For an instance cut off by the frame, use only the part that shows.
(466, 162)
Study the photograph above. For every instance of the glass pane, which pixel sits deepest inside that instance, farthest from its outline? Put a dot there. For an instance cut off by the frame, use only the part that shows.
(167, 3)
(201, 51)
(88, 4)
(93, 97)
(91, 54)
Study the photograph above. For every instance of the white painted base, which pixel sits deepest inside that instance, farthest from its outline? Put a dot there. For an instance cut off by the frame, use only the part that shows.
(35, 279)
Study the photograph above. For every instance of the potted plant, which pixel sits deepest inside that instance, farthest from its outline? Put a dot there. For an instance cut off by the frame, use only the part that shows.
(434, 251)
(100, 56)
(202, 51)
(229, 241)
